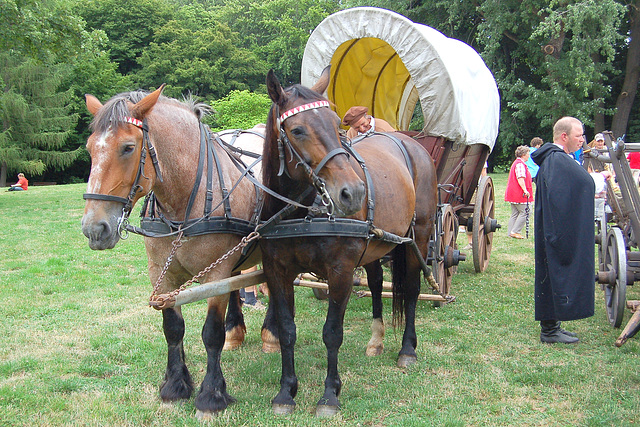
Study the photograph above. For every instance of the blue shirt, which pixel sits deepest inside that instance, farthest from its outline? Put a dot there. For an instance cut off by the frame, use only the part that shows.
(531, 165)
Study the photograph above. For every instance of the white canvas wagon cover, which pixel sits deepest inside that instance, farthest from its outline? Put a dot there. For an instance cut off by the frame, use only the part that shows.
(384, 61)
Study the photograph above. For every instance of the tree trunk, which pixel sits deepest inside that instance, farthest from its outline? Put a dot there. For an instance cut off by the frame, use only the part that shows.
(598, 93)
(632, 75)
(3, 174)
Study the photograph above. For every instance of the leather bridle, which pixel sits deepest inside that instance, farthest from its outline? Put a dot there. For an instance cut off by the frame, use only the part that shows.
(283, 141)
(128, 201)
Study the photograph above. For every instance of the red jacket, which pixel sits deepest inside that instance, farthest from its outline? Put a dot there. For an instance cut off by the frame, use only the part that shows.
(513, 194)
(23, 183)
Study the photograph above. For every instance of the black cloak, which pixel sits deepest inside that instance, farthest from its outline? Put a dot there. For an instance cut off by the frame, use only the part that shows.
(564, 237)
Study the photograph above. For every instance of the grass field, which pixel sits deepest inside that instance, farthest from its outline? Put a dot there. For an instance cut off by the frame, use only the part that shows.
(80, 347)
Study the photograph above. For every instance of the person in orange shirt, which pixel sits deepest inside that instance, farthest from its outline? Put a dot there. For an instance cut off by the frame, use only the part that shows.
(361, 123)
(21, 185)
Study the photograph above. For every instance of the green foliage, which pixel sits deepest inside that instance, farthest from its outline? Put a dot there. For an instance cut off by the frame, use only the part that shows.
(277, 30)
(209, 65)
(43, 30)
(35, 116)
(240, 110)
(130, 26)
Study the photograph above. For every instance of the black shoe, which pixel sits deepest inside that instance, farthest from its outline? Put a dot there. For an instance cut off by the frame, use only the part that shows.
(564, 331)
(551, 333)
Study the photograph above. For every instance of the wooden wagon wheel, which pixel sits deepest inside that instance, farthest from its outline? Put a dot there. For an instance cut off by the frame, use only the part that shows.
(447, 258)
(613, 276)
(483, 224)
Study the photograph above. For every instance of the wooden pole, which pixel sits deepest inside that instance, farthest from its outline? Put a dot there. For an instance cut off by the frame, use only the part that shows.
(224, 286)
(219, 287)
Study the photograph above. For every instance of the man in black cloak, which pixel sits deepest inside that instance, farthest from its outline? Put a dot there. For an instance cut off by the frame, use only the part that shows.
(564, 234)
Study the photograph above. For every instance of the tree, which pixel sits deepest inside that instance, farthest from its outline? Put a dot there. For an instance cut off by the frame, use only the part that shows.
(130, 26)
(39, 43)
(196, 53)
(239, 110)
(626, 97)
(35, 118)
(277, 30)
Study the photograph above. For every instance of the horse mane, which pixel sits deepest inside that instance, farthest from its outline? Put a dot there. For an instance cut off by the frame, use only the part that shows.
(270, 159)
(112, 112)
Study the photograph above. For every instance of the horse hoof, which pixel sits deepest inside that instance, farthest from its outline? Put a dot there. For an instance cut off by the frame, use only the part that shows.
(280, 409)
(374, 350)
(270, 348)
(324, 411)
(270, 344)
(206, 416)
(233, 338)
(231, 345)
(404, 361)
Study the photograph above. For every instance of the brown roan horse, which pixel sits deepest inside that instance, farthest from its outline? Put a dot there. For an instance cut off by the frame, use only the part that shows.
(172, 150)
(303, 148)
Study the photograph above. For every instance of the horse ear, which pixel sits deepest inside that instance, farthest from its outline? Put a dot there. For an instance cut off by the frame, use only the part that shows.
(146, 104)
(323, 82)
(93, 104)
(274, 88)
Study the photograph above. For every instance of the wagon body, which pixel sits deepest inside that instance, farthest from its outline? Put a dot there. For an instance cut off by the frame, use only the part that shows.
(403, 72)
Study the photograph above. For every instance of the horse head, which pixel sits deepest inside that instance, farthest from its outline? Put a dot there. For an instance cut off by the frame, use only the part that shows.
(119, 173)
(303, 143)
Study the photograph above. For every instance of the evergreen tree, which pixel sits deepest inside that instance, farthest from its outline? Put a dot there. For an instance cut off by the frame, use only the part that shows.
(35, 118)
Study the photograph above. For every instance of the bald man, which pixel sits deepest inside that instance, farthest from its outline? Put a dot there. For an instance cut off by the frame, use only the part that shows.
(564, 234)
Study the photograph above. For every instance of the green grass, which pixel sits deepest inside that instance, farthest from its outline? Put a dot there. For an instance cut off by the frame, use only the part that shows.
(79, 346)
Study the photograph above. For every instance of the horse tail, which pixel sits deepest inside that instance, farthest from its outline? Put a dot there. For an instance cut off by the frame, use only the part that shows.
(398, 281)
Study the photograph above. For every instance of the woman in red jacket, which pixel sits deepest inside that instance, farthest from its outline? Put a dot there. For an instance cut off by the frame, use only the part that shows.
(519, 192)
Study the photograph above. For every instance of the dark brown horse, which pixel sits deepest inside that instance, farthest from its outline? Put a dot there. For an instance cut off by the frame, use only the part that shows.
(302, 150)
(135, 126)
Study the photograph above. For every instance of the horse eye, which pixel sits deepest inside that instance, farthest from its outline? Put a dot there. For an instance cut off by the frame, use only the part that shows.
(128, 149)
(298, 131)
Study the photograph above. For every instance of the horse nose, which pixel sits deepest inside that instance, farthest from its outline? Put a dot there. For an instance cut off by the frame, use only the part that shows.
(97, 232)
(351, 197)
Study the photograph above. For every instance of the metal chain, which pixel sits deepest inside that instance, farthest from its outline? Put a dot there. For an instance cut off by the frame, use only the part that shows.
(158, 301)
(175, 245)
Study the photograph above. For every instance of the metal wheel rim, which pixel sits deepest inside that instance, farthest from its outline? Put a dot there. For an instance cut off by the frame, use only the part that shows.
(484, 207)
(615, 259)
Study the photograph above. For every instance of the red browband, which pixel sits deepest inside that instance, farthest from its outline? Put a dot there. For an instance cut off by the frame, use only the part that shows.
(133, 121)
(301, 108)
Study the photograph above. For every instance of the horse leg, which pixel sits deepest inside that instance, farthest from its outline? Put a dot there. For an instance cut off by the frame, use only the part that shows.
(235, 328)
(213, 397)
(269, 335)
(177, 382)
(410, 292)
(374, 280)
(280, 282)
(332, 335)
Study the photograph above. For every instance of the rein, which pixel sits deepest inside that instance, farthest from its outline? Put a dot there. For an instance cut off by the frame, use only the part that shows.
(123, 222)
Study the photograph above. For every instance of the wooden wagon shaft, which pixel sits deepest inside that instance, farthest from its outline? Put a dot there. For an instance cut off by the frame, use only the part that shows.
(224, 286)
(324, 286)
(357, 281)
(421, 297)
(219, 287)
